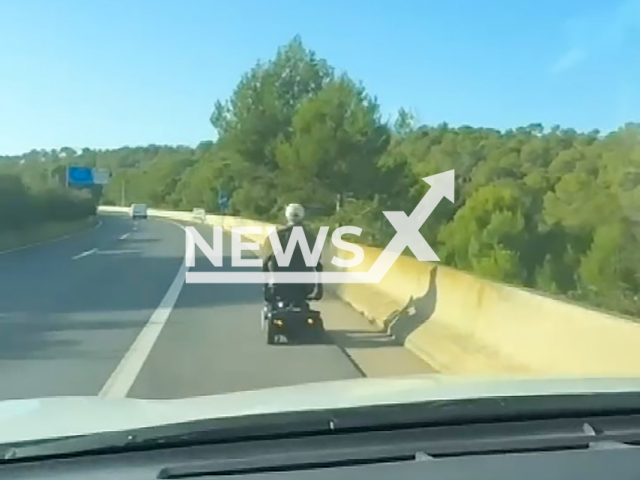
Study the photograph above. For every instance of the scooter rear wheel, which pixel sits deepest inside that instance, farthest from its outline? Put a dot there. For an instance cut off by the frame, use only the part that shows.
(271, 335)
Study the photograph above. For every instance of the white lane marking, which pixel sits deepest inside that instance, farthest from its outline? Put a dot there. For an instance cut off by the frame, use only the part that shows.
(125, 236)
(125, 374)
(84, 254)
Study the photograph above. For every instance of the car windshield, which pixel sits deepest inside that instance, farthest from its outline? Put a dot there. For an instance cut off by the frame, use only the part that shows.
(239, 206)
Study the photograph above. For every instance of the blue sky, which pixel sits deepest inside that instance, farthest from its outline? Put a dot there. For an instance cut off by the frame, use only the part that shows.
(107, 73)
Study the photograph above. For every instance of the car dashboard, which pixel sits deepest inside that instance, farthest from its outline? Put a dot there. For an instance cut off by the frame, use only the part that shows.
(584, 448)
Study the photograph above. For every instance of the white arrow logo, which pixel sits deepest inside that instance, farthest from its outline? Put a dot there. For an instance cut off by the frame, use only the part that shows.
(407, 235)
(408, 228)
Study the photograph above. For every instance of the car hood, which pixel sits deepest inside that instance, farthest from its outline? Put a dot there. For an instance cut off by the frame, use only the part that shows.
(45, 418)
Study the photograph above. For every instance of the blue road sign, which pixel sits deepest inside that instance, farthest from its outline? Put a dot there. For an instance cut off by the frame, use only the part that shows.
(80, 176)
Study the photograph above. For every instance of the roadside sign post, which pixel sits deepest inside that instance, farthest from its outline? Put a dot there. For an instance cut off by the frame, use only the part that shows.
(223, 201)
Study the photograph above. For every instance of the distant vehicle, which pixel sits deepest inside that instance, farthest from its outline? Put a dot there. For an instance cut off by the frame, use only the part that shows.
(138, 210)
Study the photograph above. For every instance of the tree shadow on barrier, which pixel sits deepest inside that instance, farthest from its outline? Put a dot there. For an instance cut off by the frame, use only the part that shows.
(415, 313)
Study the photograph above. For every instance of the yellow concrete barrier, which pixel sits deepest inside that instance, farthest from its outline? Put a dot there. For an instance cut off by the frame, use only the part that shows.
(462, 324)
(112, 209)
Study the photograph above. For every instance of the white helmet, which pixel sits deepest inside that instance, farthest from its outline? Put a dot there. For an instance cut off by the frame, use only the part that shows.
(294, 213)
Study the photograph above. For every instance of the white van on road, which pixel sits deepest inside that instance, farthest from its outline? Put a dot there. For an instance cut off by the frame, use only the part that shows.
(138, 210)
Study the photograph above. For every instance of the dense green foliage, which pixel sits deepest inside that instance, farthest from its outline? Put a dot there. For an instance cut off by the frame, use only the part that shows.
(551, 209)
(22, 207)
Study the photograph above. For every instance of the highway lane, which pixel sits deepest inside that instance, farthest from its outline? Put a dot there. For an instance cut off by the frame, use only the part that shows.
(71, 310)
(213, 343)
(66, 323)
(73, 313)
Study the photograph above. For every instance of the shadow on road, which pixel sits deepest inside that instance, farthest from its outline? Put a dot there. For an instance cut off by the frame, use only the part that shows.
(399, 325)
(25, 336)
(141, 240)
(362, 339)
(52, 304)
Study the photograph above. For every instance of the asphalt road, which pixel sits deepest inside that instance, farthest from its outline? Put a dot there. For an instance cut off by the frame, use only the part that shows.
(91, 315)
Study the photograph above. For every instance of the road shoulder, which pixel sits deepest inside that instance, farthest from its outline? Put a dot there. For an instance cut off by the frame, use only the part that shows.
(375, 353)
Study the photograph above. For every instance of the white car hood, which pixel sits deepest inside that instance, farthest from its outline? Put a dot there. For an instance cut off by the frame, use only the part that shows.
(42, 418)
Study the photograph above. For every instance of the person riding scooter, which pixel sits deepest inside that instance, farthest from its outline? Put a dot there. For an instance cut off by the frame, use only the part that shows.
(293, 293)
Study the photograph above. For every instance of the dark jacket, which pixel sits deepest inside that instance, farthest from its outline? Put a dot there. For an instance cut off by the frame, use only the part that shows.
(297, 264)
